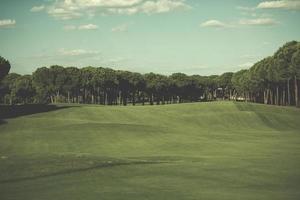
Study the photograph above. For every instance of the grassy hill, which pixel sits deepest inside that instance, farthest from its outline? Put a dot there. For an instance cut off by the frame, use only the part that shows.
(210, 151)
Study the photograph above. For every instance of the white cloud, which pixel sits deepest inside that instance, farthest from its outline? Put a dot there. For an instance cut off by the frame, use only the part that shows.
(72, 9)
(162, 6)
(213, 23)
(64, 13)
(88, 27)
(253, 12)
(271, 4)
(243, 22)
(81, 27)
(7, 23)
(258, 21)
(124, 11)
(77, 52)
(106, 3)
(152, 7)
(37, 8)
(282, 4)
(120, 28)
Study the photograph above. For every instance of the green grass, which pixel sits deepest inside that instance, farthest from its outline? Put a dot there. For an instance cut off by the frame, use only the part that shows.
(209, 151)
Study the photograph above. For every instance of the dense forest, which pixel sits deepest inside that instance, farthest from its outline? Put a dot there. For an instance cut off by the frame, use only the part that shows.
(273, 80)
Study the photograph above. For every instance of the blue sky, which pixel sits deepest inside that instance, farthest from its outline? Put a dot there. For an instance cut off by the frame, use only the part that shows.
(163, 36)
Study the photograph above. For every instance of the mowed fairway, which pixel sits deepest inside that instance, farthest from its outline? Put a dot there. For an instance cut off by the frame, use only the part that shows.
(209, 151)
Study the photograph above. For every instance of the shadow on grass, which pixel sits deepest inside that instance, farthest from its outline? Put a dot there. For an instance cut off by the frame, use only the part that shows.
(266, 116)
(2, 122)
(72, 171)
(12, 111)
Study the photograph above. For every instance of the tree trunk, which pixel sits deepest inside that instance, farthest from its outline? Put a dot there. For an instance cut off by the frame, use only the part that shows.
(93, 99)
(151, 99)
(10, 100)
(271, 97)
(68, 97)
(85, 96)
(124, 99)
(277, 95)
(57, 96)
(98, 96)
(120, 98)
(283, 98)
(133, 98)
(296, 92)
(51, 98)
(288, 92)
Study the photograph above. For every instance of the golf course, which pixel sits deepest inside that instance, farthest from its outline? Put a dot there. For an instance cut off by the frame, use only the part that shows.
(214, 150)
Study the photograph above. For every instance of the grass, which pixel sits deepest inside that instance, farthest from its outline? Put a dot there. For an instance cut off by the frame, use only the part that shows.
(210, 151)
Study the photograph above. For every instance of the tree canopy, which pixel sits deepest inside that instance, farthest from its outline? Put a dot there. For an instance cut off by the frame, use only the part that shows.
(272, 80)
(4, 67)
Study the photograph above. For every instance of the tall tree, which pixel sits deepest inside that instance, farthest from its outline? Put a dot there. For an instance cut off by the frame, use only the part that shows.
(282, 65)
(72, 84)
(224, 82)
(295, 70)
(110, 84)
(7, 87)
(43, 83)
(59, 77)
(4, 67)
(23, 89)
(125, 86)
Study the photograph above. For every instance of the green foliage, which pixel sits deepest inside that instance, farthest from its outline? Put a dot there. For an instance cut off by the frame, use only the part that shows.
(295, 65)
(4, 67)
(282, 60)
(7, 86)
(23, 89)
(240, 80)
(268, 80)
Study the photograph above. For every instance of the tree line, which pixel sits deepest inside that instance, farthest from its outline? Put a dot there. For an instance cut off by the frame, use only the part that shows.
(105, 86)
(273, 80)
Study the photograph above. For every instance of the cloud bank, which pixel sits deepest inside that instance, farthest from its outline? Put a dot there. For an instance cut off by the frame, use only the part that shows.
(283, 4)
(81, 27)
(213, 23)
(7, 23)
(73, 9)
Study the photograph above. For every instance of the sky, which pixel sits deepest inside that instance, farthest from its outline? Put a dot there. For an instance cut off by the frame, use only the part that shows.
(163, 36)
